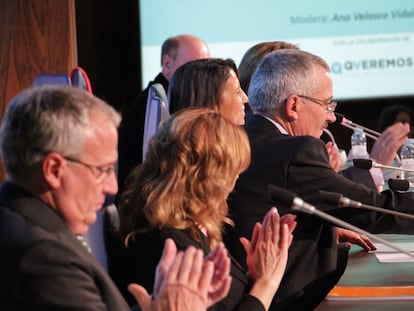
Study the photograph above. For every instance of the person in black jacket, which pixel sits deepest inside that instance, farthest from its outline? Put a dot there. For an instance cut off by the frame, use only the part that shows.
(175, 51)
(248, 64)
(290, 94)
(180, 192)
(58, 145)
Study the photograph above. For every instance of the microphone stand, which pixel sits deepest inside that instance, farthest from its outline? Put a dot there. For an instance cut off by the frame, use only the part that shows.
(368, 163)
(368, 134)
(277, 194)
(341, 201)
(346, 225)
(352, 125)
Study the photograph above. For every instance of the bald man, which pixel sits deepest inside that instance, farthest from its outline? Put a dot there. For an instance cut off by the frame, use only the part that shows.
(175, 52)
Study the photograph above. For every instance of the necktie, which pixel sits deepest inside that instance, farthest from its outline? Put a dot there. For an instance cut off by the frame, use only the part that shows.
(84, 242)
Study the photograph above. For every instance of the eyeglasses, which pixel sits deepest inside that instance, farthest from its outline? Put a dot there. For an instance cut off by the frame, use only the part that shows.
(99, 172)
(329, 105)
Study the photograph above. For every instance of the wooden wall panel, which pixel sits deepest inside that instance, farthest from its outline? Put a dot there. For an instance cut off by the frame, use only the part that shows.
(35, 37)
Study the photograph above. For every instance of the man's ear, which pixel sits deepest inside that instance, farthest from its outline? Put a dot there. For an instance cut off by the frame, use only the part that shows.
(167, 64)
(291, 107)
(53, 168)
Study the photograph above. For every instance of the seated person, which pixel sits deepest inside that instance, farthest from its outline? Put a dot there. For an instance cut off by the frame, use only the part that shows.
(187, 89)
(211, 83)
(290, 94)
(180, 192)
(59, 147)
(253, 56)
(394, 114)
(247, 66)
(389, 116)
(175, 51)
(384, 148)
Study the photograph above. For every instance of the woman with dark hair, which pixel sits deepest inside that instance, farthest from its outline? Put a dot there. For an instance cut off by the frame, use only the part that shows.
(212, 83)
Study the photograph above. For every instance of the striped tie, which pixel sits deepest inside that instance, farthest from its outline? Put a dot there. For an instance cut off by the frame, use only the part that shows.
(84, 242)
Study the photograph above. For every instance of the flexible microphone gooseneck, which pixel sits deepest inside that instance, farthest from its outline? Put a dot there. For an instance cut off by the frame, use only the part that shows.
(283, 196)
(339, 200)
(340, 119)
(330, 135)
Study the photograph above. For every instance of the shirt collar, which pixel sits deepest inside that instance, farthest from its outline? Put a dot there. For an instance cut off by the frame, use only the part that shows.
(273, 121)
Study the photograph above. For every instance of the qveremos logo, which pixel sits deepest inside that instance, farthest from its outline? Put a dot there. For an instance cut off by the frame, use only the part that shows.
(366, 65)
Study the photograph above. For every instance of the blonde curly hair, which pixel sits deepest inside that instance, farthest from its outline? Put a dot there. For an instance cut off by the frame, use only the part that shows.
(190, 168)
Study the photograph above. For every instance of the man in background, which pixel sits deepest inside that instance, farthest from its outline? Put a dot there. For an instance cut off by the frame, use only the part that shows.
(175, 51)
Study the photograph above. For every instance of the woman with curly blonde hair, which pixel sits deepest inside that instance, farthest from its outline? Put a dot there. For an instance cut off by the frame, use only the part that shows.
(188, 169)
(180, 192)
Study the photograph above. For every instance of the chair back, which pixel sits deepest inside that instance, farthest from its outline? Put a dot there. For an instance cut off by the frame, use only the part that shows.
(77, 78)
(156, 112)
(51, 79)
(80, 79)
(95, 239)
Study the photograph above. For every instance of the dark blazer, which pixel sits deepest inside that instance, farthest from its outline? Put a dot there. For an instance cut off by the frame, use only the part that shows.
(42, 264)
(301, 165)
(138, 268)
(131, 132)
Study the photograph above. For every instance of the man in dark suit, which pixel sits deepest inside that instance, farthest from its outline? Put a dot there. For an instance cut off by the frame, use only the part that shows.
(59, 147)
(175, 51)
(291, 96)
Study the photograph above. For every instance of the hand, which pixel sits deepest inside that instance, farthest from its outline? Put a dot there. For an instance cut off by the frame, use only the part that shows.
(267, 250)
(183, 282)
(221, 281)
(167, 258)
(387, 145)
(334, 158)
(344, 235)
(267, 254)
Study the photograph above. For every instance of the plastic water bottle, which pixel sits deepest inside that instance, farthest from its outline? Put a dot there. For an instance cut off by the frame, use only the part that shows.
(358, 145)
(407, 161)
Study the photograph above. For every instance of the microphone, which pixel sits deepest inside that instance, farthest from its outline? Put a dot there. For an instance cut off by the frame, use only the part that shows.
(393, 183)
(340, 119)
(339, 200)
(283, 196)
(398, 184)
(286, 197)
(368, 163)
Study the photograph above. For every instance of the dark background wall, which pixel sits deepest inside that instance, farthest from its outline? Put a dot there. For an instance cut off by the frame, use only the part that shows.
(108, 40)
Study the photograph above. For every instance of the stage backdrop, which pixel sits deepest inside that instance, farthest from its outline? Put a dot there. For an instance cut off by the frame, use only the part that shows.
(368, 44)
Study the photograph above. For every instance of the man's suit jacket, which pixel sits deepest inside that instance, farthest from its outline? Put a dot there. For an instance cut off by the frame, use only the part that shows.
(131, 133)
(42, 264)
(140, 269)
(301, 165)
